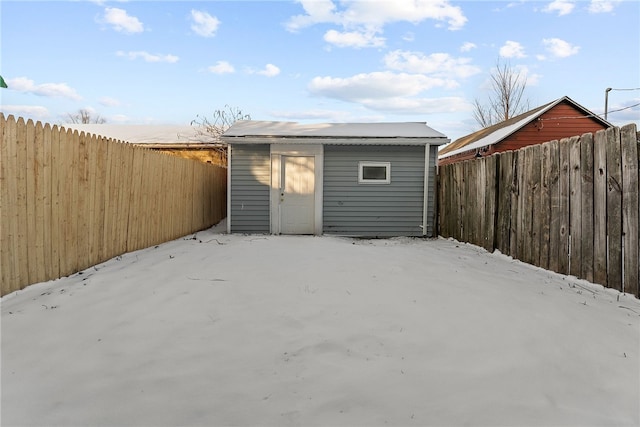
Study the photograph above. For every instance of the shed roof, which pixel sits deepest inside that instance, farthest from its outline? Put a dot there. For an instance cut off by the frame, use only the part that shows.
(251, 131)
(496, 133)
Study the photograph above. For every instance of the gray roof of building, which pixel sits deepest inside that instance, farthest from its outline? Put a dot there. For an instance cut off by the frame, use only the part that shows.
(362, 133)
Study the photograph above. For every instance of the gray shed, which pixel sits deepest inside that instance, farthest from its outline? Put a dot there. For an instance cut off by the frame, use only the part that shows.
(349, 179)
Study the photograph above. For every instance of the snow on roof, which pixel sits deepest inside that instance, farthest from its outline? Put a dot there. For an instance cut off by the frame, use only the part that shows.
(140, 134)
(255, 128)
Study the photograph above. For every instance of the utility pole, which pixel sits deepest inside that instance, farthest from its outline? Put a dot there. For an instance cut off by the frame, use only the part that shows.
(606, 102)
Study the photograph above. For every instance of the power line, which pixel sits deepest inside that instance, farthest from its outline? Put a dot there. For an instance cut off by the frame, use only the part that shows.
(590, 115)
(625, 108)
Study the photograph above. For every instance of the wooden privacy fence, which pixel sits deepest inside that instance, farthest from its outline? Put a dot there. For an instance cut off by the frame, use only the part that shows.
(69, 201)
(570, 206)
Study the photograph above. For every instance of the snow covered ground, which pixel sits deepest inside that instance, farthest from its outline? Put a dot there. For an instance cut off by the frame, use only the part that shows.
(289, 330)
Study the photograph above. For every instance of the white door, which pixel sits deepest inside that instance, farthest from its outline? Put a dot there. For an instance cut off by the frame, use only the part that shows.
(297, 195)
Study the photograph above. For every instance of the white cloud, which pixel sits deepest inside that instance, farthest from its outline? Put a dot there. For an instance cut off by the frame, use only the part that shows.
(364, 88)
(560, 48)
(121, 21)
(409, 37)
(399, 105)
(387, 11)
(439, 64)
(370, 17)
(562, 7)
(204, 24)
(148, 57)
(512, 49)
(317, 11)
(602, 6)
(109, 102)
(35, 112)
(222, 67)
(269, 70)
(467, 46)
(62, 90)
(531, 78)
(355, 39)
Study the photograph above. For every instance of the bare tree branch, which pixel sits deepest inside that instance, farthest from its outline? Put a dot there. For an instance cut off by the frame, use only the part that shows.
(210, 131)
(83, 116)
(506, 98)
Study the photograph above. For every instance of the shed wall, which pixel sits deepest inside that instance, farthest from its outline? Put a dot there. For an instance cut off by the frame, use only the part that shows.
(250, 183)
(381, 210)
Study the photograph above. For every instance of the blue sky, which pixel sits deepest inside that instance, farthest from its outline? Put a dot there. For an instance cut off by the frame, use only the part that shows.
(168, 62)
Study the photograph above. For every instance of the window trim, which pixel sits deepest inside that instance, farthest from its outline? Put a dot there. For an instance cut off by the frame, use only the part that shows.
(362, 180)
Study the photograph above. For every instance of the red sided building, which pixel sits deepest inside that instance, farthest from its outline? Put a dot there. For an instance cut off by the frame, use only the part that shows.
(561, 118)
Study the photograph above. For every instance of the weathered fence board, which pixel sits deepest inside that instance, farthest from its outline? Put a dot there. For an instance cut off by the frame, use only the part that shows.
(571, 206)
(513, 197)
(614, 209)
(554, 205)
(459, 200)
(522, 194)
(586, 203)
(503, 223)
(629, 154)
(536, 214)
(544, 217)
(575, 206)
(490, 204)
(600, 208)
(564, 212)
(69, 200)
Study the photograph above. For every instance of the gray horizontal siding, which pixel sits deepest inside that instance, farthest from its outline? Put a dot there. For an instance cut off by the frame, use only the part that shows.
(250, 171)
(383, 210)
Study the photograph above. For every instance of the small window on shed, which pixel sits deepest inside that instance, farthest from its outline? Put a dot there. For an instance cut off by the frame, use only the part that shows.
(374, 173)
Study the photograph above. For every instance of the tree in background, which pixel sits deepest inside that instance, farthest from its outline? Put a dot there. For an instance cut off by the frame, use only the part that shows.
(506, 97)
(210, 130)
(84, 116)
